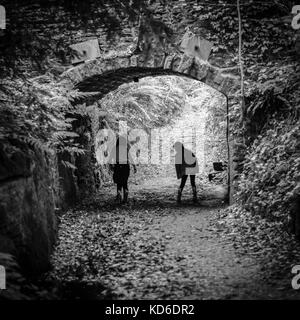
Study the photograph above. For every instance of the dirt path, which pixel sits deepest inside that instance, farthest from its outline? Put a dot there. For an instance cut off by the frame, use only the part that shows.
(154, 249)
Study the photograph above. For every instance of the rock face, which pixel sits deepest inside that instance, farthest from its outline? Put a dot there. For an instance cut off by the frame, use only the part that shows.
(27, 211)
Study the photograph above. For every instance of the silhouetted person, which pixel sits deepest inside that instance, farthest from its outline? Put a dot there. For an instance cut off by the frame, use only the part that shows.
(121, 159)
(186, 164)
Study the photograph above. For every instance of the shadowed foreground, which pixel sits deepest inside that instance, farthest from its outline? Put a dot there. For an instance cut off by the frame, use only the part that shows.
(154, 249)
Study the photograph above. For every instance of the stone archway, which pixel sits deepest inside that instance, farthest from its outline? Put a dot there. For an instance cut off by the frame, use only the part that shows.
(107, 73)
(121, 69)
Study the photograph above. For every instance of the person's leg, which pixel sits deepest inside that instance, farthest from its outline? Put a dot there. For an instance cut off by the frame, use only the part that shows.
(193, 179)
(126, 173)
(182, 184)
(183, 181)
(125, 190)
(119, 192)
(193, 184)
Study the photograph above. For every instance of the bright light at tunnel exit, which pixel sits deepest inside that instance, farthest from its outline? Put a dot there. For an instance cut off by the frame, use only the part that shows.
(154, 147)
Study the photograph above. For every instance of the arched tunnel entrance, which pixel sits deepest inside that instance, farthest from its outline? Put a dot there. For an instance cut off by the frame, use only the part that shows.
(154, 108)
(152, 248)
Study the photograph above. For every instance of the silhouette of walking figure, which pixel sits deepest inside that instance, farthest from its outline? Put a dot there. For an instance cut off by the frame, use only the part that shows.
(121, 159)
(185, 164)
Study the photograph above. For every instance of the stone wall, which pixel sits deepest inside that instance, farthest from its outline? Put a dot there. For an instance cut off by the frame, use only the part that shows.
(30, 195)
(27, 204)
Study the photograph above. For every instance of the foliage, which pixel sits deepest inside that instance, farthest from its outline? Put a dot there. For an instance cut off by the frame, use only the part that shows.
(269, 183)
(267, 34)
(267, 242)
(152, 102)
(32, 113)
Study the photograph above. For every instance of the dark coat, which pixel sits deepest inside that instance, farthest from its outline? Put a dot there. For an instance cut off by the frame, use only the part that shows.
(121, 173)
(120, 158)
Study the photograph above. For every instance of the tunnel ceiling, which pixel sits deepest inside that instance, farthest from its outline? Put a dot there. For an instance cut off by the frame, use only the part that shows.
(102, 84)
